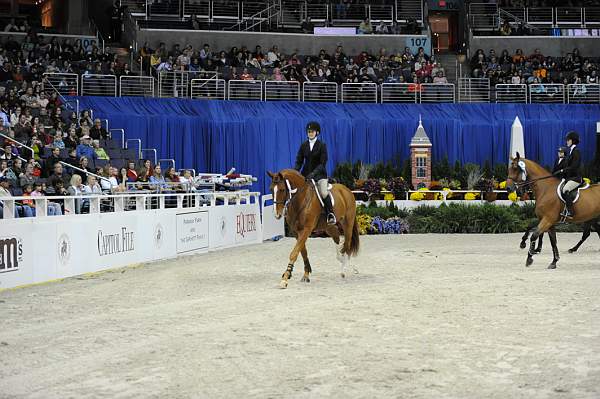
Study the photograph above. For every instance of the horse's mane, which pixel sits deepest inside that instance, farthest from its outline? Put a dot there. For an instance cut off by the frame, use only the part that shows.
(536, 168)
(287, 173)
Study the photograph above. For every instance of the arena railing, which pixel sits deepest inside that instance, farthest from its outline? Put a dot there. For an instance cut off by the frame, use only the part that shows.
(129, 201)
(569, 16)
(483, 16)
(320, 91)
(511, 93)
(173, 83)
(583, 94)
(65, 84)
(351, 13)
(225, 10)
(540, 15)
(98, 85)
(437, 93)
(399, 93)
(546, 93)
(282, 91)
(136, 86)
(381, 12)
(208, 89)
(359, 92)
(199, 8)
(245, 90)
(473, 90)
(591, 16)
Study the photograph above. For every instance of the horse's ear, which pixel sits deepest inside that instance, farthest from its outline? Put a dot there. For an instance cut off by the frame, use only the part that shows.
(271, 174)
(518, 156)
(280, 176)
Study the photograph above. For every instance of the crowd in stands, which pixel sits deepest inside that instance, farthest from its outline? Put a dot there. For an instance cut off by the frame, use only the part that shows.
(258, 64)
(520, 68)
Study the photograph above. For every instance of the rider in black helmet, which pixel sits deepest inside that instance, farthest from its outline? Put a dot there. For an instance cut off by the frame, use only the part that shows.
(571, 171)
(311, 161)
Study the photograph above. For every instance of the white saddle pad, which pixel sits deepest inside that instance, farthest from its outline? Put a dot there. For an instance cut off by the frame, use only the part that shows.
(559, 190)
(329, 188)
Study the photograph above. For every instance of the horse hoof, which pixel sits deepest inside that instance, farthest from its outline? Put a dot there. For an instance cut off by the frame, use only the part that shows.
(523, 244)
(283, 284)
(355, 270)
(343, 275)
(529, 262)
(552, 266)
(305, 280)
(537, 251)
(572, 250)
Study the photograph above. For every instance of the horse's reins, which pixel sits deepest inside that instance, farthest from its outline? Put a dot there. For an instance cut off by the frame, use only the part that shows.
(530, 182)
(290, 191)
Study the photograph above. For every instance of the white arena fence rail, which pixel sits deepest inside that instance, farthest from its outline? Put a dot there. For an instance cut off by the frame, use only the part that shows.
(320, 91)
(208, 89)
(473, 90)
(546, 93)
(98, 85)
(66, 84)
(173, 84)
(359, 92)
(438, 93)
(583, 94)
(245, 90)
(282, 91)
(137, 86)
(138, 228)
(399, 93)
(511, 93)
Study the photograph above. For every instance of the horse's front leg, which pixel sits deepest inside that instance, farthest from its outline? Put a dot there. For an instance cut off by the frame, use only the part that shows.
(300, 243)
(307, 268)
(543, 227)
(552, 234)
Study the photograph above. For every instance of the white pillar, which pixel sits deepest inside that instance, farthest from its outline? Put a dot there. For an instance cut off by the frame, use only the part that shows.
(517, 143)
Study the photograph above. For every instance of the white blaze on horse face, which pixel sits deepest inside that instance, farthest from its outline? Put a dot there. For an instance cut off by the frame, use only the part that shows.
(275, 204)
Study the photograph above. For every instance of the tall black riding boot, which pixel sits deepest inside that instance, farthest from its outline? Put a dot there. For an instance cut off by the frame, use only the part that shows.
(568, 204)
(329, 210)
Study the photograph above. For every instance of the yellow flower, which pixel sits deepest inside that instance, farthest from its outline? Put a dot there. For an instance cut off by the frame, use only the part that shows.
(470, 196)
(513, 197)
(364, 221)
(417, 196)
(587, 181)
(502, 185)
(423, 189)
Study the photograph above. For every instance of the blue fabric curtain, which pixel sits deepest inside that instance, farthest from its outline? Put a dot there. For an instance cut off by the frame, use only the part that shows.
(253, 137)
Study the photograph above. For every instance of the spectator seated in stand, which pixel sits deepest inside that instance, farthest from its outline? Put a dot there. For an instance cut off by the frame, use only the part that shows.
(97, 132)
(99, 152)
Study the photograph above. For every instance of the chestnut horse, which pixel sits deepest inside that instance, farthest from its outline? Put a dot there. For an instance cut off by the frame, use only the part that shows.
(296, 199)
(524, 172)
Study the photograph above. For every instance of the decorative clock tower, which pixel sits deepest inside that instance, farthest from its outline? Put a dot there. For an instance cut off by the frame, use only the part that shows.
(420, 157)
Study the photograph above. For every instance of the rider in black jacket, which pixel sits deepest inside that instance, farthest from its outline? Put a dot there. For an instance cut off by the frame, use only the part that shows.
(571, 171)
(312, 161)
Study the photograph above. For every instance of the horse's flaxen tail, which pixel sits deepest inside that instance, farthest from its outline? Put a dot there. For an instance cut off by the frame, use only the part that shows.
(352, 249)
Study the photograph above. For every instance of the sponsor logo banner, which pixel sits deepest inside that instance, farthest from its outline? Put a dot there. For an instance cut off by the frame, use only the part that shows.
(11, 253)
(192, 231)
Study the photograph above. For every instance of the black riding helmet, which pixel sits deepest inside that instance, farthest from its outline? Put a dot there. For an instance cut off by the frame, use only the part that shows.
(313, 126)
(573, 136)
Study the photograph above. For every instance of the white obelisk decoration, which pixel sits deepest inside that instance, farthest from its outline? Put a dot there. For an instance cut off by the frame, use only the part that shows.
(517, 143)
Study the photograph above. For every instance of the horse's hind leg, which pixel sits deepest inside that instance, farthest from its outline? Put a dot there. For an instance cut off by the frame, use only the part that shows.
(586, 233)
(540, 243)
(539, 230)
(334, 233)
(307, 268)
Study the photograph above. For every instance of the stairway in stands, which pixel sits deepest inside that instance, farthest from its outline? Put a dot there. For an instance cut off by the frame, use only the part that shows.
(448, 61)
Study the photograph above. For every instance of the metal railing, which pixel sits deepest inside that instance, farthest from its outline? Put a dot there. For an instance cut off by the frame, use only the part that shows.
(359, 92)
(136, 86)
(473, 90)
(282, 91)
(66, 84)
(583, 94)
(483, 16)
(199, 8)
(511, 93)
(320, 91)
(399, 92)
(245, 90)
(207, 89)
(173, 83)
(438, 93)
(98, 85)
(546, 93)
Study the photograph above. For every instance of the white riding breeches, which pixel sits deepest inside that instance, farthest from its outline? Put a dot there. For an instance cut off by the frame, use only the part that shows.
(322, 187)
(570, 186)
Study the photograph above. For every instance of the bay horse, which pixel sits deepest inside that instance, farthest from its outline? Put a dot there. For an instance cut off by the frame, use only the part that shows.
(296, 199)
(524, 172)
(588, 227)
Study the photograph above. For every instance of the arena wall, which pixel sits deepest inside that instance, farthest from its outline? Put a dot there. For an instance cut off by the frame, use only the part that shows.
(40, 249)
(548, 45)
(287, 43)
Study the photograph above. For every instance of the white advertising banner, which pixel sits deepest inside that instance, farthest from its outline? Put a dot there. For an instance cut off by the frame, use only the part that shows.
(35, 250)
(271, 226)
(192, 231)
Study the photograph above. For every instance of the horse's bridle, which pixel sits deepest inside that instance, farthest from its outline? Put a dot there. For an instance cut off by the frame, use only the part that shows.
(524, 182)
(290, 194)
